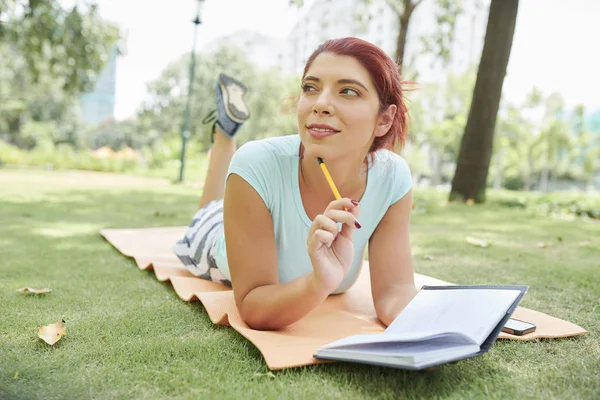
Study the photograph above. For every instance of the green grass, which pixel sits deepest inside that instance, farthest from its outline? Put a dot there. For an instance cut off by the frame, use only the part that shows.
(130, 336)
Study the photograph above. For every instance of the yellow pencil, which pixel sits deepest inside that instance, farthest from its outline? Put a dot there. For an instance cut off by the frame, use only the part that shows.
(336, 193)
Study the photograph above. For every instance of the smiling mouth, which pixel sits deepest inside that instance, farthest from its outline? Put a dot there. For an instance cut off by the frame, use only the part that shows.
(320, 133)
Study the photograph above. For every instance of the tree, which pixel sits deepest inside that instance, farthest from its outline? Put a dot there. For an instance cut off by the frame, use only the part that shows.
(23, 101)
(587, 153)
(268, 94)
(473, 163)
(72, 45)
(50, 55)
(438, 115)
(438, 43)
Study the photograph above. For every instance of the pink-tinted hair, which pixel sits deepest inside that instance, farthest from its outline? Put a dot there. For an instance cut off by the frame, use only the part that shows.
(385, 76)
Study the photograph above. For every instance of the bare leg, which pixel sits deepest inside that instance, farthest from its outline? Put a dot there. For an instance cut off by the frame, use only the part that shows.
(220, 157)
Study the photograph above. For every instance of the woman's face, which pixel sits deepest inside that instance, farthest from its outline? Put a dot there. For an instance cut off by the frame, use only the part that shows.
(338, 110)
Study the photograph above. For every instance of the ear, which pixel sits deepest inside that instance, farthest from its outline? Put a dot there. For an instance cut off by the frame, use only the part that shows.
(385, 120)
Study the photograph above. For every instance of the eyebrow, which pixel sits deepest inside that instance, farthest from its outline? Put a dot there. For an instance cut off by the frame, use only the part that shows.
(341, 81)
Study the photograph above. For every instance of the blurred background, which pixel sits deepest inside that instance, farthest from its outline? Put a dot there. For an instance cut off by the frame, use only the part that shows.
(105, 85)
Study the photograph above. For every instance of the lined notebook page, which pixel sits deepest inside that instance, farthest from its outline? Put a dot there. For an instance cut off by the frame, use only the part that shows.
(472, 312)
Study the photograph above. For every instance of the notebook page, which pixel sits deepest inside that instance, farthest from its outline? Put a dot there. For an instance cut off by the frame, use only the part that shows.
(472, 312)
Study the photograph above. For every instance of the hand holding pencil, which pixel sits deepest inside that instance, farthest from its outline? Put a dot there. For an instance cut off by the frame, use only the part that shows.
(332, 250)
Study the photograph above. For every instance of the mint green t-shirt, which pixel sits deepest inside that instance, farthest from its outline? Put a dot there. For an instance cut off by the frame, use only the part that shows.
(271, 165)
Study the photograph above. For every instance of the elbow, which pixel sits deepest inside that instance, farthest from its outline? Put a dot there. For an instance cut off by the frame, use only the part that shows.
(392, 302)
(258, 318)
(256, 321)
(385, 317)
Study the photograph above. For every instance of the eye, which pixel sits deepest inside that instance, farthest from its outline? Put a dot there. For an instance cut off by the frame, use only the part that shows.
(350, 91)
(307, 88)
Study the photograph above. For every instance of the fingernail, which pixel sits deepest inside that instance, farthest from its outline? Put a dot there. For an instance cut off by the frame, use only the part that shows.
(357, 224)
(354, 202)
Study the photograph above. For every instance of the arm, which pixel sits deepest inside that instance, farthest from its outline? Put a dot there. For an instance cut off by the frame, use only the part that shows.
(263, 303)
(390, 261)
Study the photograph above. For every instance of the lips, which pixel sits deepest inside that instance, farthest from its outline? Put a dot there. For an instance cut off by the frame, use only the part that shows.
(320, 131)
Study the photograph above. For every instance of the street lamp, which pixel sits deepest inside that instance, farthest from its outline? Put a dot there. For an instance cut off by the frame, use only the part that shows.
(185, 128)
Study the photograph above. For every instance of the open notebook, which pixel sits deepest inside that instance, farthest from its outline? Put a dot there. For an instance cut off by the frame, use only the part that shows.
(441, 324)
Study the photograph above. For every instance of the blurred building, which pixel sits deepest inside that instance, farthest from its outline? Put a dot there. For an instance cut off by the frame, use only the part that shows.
(98, 105)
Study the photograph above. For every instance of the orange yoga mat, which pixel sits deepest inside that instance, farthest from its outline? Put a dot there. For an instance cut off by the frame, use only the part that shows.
(339, 316)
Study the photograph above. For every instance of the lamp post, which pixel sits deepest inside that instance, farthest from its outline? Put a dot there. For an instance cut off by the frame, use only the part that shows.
(185, 128)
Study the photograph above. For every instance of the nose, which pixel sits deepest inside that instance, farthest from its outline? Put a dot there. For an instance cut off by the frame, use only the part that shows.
(323, 104)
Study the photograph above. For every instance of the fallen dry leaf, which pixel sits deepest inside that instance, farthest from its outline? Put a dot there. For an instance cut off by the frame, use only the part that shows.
(32, 290)
(52, 333)
(476, 242)
(428, 257)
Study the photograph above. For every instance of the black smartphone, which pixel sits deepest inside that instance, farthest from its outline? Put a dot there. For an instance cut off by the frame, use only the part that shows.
(518, 328)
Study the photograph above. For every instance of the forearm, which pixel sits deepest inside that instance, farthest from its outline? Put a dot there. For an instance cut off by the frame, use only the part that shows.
(273, 307)
(392, 301)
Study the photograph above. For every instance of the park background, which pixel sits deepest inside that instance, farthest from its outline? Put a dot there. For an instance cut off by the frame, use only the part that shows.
(94, 116)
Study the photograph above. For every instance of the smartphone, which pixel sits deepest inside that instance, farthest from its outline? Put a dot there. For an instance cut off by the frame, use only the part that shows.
(519, 328)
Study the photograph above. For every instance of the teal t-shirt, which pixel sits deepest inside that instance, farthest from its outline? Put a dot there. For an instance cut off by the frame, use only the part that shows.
(271, 165)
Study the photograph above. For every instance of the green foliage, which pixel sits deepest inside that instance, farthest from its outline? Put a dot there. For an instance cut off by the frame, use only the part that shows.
(270, 98)
(439, 43)
(63, 157)
(536, 144)
(72, 45)
(42, 135)
(562, 205)
(49, 56)
(438, 112)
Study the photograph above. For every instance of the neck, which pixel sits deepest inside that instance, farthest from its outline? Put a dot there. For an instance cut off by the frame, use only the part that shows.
(348, 174)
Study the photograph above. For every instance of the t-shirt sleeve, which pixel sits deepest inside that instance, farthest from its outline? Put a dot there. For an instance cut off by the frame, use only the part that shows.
(402, 178)
(253, 161)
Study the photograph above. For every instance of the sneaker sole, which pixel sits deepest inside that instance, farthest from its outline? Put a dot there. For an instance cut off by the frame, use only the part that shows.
(235, 106)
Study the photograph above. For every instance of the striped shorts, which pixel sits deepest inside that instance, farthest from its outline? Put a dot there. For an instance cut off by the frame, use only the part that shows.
(196, 248)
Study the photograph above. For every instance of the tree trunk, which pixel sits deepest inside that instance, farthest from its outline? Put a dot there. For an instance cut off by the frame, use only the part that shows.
(473, 163)
(404, 21)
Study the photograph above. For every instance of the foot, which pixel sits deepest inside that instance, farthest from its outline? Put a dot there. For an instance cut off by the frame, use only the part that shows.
(232, 110)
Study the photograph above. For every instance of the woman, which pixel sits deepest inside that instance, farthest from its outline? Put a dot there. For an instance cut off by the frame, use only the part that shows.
(275, 230)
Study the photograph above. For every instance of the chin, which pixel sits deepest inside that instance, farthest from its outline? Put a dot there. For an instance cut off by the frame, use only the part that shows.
(314, 148)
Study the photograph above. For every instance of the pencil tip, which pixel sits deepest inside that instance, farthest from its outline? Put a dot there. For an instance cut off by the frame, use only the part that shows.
(320, 160)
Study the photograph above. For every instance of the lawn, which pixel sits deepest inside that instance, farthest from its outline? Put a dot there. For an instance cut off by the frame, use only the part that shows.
(130, 336)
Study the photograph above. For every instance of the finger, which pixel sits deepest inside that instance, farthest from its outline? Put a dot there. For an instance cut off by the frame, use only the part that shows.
(321, 238)
(345, 217)
(323, 222)
(343, 204)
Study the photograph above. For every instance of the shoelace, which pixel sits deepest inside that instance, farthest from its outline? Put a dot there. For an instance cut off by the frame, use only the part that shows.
(211, 117)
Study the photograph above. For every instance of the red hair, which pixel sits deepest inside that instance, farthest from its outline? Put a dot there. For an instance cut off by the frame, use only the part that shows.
(385, 76)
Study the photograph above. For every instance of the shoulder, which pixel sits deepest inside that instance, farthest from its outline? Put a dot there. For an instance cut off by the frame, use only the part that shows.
(270, 147)
(388, 162)
(393, 169)
(264, 163)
